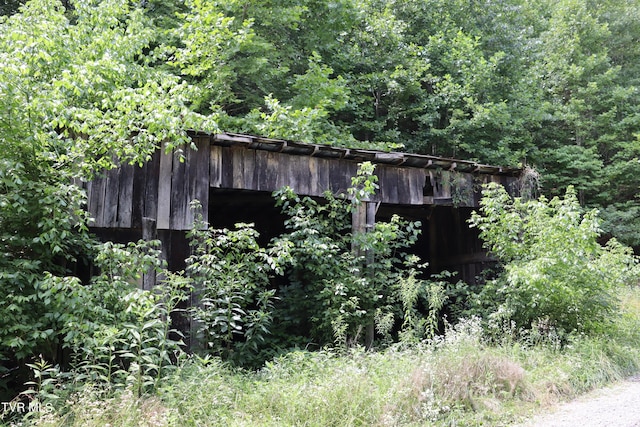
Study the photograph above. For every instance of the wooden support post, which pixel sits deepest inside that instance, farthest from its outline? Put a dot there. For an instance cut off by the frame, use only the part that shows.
(358, 225)
(363, 220)
(371, 209)
(149, 233)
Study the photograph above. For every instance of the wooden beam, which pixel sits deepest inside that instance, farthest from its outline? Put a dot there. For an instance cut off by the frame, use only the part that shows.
(149, 233)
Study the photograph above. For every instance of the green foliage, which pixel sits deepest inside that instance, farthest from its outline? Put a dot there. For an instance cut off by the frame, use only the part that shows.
(415, 325)
(87, 85)
(552, 84)
(555, 272)
(324, 275)
(461, 379)
(339, 278)
(305, 117)
(42, 233)
(623, 219)
(108, 333)
(306, 124)
(78, 94)
(118, 334)
(75, 92)
(231, 275)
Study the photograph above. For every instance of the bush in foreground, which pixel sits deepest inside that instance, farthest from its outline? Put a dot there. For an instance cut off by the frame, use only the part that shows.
(556, 274)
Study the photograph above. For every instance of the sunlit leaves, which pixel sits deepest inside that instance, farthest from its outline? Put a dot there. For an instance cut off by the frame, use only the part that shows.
(79, 74)
(554, 268)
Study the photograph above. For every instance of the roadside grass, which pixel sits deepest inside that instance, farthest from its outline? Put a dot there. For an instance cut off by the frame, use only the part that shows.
(460, 379)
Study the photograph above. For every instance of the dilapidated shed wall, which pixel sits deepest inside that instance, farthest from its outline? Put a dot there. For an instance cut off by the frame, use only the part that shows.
(164, 187)
(153, 201)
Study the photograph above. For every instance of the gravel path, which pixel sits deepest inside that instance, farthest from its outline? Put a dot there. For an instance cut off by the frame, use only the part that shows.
(615, 406)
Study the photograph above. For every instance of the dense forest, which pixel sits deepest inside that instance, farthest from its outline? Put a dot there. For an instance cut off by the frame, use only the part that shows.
(552, 86)
(548, 84)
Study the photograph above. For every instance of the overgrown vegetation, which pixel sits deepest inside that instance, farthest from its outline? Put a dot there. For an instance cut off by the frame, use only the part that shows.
(556, 274)
(124, 356)
(336, 286)
(547, 83)
(463, 379)
(87, 85)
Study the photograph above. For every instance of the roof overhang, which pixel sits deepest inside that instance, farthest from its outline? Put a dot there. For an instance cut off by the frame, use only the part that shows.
(227, 139)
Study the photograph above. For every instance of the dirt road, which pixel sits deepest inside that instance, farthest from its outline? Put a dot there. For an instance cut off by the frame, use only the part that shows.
(615, 406)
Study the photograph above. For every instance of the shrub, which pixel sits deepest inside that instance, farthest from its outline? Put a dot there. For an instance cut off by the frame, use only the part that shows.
(231, 275)
(340, 280)
(339, 283)
(556, 274)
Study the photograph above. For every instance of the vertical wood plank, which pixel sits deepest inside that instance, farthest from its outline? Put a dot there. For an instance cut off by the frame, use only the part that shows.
(299, 169)
(164, 190)
(237, 160)
(138, 201)
(340, 174)
(92, 199)
(393, 183)
(189, 185)
(272, 172)
(125, 196)
(324, 177)
(249, 169)
(96, 201)
(313, 176)
(202, 192)
(88, 187)
(151, 187)
(261, 170)
(417, 179)
(351, 169)
(179, 190)
(198, 181)
(112, 188)
(215, 166)
(469, 190)
(226, 174)
(390, 184)
(404, 185)
(279, 165)
(296, 173)
(445, 185)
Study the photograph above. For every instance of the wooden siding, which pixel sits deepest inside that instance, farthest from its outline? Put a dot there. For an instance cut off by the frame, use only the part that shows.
(163, 188)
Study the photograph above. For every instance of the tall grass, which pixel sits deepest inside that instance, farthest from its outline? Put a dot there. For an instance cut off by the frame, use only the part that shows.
(459, 379)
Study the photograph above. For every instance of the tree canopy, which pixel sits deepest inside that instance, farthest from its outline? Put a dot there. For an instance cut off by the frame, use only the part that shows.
(552, 84)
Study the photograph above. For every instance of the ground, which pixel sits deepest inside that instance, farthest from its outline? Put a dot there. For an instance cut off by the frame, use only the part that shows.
(615, 406)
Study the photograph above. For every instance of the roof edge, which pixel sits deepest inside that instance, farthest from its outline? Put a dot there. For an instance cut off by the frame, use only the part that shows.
(395, 158)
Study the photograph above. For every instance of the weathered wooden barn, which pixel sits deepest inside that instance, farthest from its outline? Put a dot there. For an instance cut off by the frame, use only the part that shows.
(234, 175)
